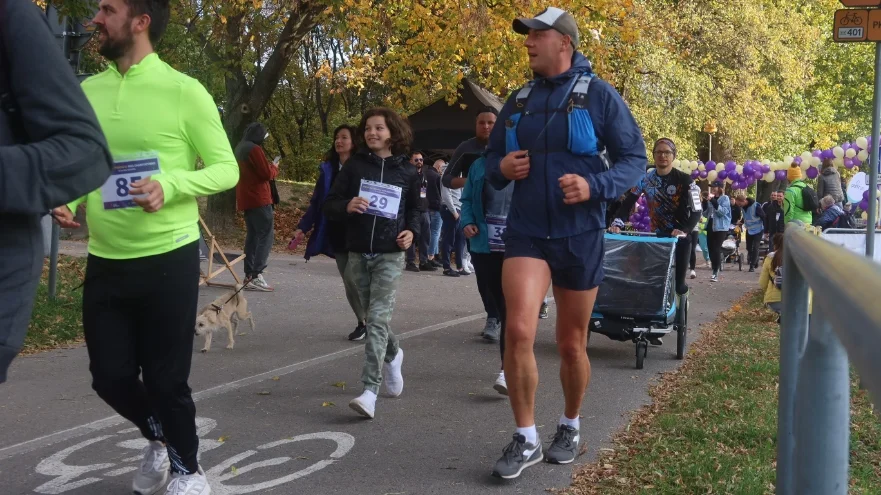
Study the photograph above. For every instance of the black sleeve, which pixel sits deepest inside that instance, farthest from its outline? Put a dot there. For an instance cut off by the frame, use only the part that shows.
(454, 169)
(413, 208)
(626, 206)
(65, 154)
(339, 196)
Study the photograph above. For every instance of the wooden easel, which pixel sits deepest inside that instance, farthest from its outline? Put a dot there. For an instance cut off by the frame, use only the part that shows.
(213, 247)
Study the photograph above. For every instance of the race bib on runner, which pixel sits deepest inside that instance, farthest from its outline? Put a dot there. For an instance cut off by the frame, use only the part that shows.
(116, 191)
(496, 224)
(383, 199)
(423, 193)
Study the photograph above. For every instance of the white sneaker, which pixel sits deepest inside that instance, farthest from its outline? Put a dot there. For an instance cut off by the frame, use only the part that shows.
(692, 274)
(501, 385)
(189, 484)
(392, 379)
(259, 283)
(153, 474)
(364, 404)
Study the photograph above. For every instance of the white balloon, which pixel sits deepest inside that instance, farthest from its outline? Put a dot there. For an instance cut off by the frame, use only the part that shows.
(850, 153)
(769, 177)
(838, 151)
(815, 161)
(677, 164)
(788, 160)
(701, 167)
(695, 165)
(806, 156)
(863, 155)
(711, 175)
(838, 162)
(863, 143)
(766, 162)
(805, 164)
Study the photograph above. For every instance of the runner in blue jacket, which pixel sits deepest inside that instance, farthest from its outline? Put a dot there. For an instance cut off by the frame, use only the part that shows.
(570, 144)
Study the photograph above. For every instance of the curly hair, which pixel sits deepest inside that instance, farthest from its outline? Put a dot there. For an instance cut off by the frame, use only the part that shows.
(402, 134)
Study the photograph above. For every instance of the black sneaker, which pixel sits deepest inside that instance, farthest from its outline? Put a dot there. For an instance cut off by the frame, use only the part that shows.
(359, 333)
(751, 269)
(543, 312)
(564, 446)
(451, 273)
(513, 462)
(436, 264)
(411, 267)
(427, 267)
(463, 272)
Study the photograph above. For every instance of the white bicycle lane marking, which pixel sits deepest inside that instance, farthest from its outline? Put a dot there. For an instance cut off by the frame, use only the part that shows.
(69, 477)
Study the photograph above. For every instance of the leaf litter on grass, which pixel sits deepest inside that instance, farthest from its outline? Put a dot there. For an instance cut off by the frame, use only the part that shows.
(712, 423)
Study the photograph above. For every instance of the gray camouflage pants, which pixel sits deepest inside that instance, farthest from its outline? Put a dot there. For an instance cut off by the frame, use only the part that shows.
(376, 278)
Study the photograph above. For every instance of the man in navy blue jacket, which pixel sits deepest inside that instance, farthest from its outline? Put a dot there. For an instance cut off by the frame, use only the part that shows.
(570, 144)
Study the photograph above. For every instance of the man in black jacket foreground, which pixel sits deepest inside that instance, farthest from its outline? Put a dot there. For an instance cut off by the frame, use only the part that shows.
(52, 151)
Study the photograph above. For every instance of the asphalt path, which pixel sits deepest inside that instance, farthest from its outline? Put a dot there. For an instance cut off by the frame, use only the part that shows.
(273, 412)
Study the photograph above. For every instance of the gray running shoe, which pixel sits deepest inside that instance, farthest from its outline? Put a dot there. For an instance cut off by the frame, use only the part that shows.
(564, 446)
(513, 462)
(490, 323)
(493, 332)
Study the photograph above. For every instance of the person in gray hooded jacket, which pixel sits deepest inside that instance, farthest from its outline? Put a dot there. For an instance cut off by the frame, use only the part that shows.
(829, 183)
(52, 151)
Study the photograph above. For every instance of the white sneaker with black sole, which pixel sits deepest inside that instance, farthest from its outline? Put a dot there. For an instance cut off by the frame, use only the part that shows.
(153, 474)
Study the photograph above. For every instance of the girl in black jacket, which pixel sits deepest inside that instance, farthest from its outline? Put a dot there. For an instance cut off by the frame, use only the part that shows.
(377, 195)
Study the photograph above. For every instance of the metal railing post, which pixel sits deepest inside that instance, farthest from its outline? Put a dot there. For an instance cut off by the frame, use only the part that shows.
(822, 417)
(794, 324)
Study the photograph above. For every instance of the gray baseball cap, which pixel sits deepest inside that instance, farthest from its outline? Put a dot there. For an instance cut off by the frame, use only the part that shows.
(550, 18)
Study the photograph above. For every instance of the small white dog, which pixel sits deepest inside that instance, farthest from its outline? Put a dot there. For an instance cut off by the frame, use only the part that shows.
(224, 313)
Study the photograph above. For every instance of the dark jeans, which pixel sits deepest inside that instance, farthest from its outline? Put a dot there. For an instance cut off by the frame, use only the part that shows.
(694, 240)
(488, 267)
(752, 249)
(714, 244)
(139, 318)
(683, 251)
(453, 239)
(258, 241)
(486, 297)
(424, 241)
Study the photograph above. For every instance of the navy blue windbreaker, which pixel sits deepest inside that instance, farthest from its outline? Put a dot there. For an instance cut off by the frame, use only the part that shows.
(538, 209)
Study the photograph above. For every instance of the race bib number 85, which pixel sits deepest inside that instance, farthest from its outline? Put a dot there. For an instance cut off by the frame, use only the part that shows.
(116, 191)
(383, 199)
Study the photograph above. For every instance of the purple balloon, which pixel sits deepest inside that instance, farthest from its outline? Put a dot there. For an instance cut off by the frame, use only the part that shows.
(766, 169)
(797, 160)
(816, 153)
(812, 172)
(711, 165)
(730, 165)
(865, 195)
(748, 169)
(856, 161)
(703, 174)
(780, 174)
(723, 174)
(864, 205)
(828, 155)
(847, 146)
(848, 163)
(640, 208)
(695, 173)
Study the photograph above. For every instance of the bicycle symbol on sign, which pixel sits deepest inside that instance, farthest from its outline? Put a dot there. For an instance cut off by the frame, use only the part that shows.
(70, 477)
(851, 18)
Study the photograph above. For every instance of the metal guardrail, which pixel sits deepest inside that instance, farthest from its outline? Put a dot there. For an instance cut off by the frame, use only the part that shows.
(813, 415)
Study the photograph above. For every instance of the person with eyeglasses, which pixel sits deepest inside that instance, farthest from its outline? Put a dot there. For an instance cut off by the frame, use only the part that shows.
(424, 238)
(673, 201)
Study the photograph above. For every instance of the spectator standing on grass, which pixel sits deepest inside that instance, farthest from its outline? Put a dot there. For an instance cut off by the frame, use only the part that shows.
(770, 267)
(52, 151)
(328, 236)
(254, 198)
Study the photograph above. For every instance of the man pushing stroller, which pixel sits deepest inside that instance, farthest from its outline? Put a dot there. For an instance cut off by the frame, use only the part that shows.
(673, 201)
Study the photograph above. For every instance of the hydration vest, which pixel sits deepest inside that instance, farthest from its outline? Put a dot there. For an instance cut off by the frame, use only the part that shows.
(582, 137)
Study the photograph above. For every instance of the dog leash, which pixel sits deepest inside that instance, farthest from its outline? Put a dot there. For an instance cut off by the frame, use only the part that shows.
(234, 294)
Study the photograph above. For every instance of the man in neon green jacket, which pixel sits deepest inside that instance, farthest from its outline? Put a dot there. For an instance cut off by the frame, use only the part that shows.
(142, 277)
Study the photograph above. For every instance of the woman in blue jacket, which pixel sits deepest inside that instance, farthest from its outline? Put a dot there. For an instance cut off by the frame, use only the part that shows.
(484, 215)
(718, 222)
(328, 237)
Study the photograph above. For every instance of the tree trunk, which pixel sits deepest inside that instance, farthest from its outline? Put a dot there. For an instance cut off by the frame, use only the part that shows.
(245, 103)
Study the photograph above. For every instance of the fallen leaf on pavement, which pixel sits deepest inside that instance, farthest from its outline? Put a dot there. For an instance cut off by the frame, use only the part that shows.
(327, 404)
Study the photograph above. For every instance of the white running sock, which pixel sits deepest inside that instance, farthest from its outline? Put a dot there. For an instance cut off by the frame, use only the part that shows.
(531, 435)
(574, 423)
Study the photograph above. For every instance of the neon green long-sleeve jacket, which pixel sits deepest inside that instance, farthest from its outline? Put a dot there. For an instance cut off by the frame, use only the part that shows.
(154, 117)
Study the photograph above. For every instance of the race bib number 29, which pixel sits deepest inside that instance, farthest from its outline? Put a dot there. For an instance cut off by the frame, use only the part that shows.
(383, 199)
(116, 191)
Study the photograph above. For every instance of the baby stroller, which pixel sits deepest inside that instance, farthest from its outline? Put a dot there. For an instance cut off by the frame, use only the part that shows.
(637, 300)
(731, 248)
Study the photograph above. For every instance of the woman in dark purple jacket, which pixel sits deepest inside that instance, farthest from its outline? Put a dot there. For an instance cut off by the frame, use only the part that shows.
(328, 237)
